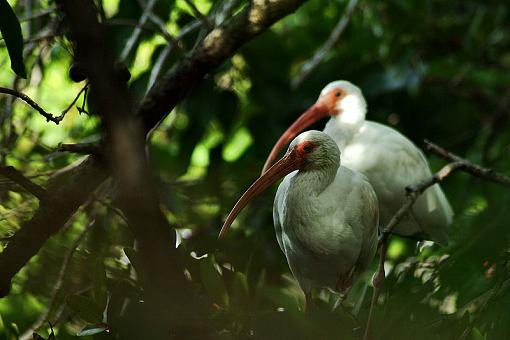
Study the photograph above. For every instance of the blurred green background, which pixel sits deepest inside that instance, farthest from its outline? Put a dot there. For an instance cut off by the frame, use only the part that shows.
(431, 69)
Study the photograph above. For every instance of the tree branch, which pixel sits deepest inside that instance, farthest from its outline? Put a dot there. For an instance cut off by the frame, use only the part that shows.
(81, 148)
(67, 192)
(414, 191)
(29, 101)
(467, 166)
(412, 194)
(205, 21)
(165, 290)
(310, 66)
(17, 177)
(33, 104)
(221, 43)
(138, 30)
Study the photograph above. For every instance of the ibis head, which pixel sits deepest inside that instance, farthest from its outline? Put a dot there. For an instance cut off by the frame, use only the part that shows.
(338, 99)
(308, 151)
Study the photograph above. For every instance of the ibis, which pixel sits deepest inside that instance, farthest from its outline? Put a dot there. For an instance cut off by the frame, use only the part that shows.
(389, 160)
(325, 215)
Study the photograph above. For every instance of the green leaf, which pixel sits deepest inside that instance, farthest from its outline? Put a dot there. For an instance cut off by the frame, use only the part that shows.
(11, 32)
(85, 308)
(213, 281)
(92, 330)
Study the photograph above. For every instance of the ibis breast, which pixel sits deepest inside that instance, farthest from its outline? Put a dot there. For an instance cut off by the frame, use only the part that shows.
(326, 235)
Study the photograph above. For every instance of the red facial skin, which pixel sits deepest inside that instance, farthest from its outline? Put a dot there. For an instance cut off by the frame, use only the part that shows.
(294, 159)
(324, 107)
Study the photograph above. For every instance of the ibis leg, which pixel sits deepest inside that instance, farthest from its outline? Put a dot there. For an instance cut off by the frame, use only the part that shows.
(377, 281)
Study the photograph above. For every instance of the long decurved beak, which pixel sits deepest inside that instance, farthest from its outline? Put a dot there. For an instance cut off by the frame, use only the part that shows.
(315, 113)
(283, 167)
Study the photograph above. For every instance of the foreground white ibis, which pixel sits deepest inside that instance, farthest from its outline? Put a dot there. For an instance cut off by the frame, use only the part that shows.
(390, 161)
(325, 215)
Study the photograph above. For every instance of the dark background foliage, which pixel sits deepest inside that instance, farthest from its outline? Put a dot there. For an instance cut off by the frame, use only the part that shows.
(430, 69)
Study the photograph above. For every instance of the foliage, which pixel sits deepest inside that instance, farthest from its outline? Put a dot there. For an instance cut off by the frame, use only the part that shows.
(430, 69)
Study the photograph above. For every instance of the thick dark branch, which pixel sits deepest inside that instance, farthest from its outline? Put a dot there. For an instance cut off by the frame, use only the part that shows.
(215, 49)
(67, 193)
(469, 167)
(138, 194)
(17, 177)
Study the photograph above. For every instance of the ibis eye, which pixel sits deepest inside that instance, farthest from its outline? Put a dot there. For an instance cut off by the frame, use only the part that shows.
(308, 148)
(338, 94)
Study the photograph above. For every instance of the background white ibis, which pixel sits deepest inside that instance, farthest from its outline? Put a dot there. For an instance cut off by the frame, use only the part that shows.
(389, 160)
(325, 215)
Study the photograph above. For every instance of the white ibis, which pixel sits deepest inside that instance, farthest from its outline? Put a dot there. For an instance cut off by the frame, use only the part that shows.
(325, 215)
(390, 161)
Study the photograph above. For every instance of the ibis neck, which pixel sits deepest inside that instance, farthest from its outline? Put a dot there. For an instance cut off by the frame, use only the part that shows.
(343, 127)
(303, 196)
(311, 182)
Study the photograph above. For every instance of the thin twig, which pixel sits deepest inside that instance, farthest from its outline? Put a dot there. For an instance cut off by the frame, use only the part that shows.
(473, 169)
(137, 31)
(225, 11)
(30, 102)
(165, 54)
(33, 104)
(158, 65)
(309, 66)
(40, 38)
(413, 192)
(162, 29)
(63, 113)
(17, 177)
(28, 11)
(137, 24)
(205, 20)
(39, 14)
(81, 148)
